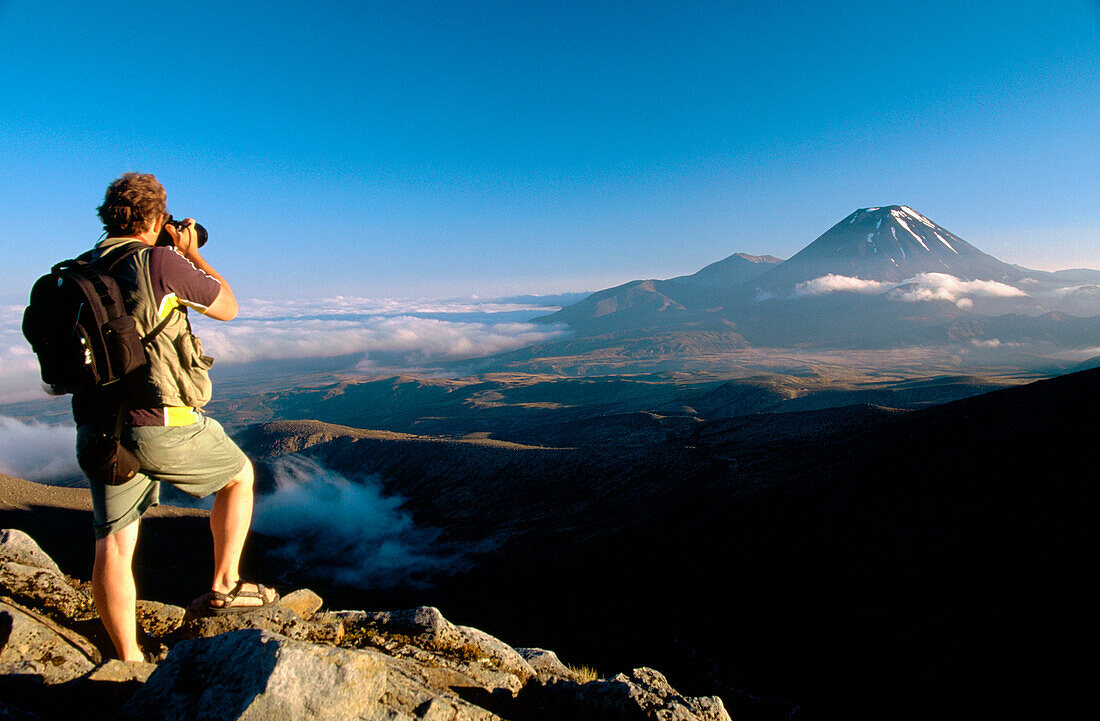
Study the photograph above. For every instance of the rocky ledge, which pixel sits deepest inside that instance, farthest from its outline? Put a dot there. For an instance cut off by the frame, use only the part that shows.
(295, 660)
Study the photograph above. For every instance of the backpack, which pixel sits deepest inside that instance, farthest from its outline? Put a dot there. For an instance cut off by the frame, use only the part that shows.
(78, 326)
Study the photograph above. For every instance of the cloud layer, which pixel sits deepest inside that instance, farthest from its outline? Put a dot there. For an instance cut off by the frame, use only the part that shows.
(350, 532)
(425, 330)
(921, 288)
(38, 452)
(840, 284)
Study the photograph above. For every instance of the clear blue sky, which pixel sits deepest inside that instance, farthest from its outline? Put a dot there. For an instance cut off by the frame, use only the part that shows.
(440, 148)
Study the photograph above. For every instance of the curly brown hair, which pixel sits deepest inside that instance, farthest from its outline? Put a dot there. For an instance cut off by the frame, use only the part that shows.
(132, 202)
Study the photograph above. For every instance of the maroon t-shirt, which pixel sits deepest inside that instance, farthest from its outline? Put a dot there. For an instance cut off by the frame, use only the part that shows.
(174, 280)
(172, 274)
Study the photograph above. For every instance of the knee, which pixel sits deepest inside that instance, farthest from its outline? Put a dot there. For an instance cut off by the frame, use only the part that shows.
(118, 546)
(245, 477)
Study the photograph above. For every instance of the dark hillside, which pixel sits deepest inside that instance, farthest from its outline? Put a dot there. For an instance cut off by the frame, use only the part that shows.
(853, 562)
(929, 564)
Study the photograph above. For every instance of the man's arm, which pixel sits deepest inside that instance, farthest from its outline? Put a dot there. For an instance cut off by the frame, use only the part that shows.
(224, 306)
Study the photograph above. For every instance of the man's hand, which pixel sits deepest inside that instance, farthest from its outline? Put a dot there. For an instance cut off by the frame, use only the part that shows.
(187, 239)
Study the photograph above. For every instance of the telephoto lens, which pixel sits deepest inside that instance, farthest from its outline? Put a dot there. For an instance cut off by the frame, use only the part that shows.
(165, 238)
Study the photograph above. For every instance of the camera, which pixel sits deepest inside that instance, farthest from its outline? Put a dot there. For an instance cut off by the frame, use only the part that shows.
(165, 238)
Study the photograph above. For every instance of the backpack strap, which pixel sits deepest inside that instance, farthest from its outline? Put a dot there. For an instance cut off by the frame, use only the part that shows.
(118, 255)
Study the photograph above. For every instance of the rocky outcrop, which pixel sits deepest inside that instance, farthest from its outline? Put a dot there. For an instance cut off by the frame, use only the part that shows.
(32, 644)
(257, 675)
(466, 656)
(17, 547)
(547, 665)
(293, 660)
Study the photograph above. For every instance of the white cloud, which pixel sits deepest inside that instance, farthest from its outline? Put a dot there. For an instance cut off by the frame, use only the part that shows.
(38, 452)
(19, 376)
(351, 532)
(430, 330)
(248, 340)
(941, 286)
(839, 284)
(920, 288)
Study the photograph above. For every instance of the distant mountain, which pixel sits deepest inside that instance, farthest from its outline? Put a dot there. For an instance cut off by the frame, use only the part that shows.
(640, 303)
(1082, 301)
(737, 268)
(1078, 275)
(891, 243)
(883, 277)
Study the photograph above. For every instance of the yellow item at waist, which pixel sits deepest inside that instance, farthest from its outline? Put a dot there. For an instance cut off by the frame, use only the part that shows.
(179, 416)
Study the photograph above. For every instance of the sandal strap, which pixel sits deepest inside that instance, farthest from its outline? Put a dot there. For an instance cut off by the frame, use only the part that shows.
(260, 592)
(227, 599)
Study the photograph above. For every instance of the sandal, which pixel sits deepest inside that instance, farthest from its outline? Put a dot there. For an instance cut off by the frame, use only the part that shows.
(227, 608)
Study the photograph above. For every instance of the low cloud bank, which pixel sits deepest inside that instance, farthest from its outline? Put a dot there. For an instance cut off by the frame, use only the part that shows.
(38, 452)
(921, 288)
(349, 532)
(423, 330)
(840, 284)
(426, 338)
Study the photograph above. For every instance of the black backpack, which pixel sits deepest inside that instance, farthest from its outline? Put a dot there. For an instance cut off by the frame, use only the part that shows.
(79, 328)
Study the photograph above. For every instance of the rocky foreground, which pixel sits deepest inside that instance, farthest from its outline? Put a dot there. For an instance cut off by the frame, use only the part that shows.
(296, 660)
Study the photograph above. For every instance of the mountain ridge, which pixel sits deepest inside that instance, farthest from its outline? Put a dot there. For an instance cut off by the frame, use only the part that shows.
(881, 277)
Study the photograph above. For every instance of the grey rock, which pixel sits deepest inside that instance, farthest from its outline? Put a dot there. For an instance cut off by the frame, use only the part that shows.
(256, 675)
(547, 665)
(116, 671)
(43, 589)
(413, 692)
(649, 691)
(643, 695)
(424, 634)
(303, 602)
(159, 620)
(33, 644)
(17, 546)
(276, 619)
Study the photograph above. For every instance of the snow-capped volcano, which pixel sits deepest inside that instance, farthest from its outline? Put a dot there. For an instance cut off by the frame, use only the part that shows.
(890, 243)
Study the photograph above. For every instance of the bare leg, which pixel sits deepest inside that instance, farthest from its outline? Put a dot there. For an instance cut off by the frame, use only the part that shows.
(229, 523)
(114, 591)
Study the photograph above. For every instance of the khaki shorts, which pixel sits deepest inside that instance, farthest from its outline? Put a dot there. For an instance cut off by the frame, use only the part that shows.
(199, 459)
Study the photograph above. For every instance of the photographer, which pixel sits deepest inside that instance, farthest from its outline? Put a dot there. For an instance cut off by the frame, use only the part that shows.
(156, 412)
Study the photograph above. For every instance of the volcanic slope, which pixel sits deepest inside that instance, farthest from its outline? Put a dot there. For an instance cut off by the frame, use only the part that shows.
(892, 243)
(883, 278)
(855, 562)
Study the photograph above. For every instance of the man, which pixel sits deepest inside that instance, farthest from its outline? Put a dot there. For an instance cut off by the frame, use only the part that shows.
(158, 410)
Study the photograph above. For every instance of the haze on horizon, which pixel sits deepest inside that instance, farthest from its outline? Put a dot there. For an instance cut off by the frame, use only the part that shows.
(427, 149)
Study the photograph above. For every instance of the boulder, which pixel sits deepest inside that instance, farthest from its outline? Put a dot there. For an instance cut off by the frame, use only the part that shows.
(277, 619)
(643, 695)
(303, 602)
(44, 589)
(31, 644)
(159, 620)
(423, 634)
(547, 665)
(18, 547)
(256, 675)
(652, 693)
(116, 671)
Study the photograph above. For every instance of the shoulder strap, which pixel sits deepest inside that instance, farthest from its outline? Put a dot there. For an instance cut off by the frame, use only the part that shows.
(123, 252)
(148, 337)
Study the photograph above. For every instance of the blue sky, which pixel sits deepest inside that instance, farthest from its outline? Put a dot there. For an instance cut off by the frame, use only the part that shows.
(453, 148)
